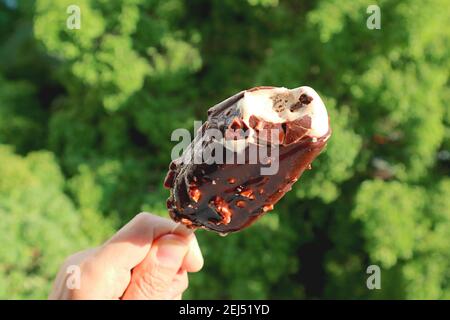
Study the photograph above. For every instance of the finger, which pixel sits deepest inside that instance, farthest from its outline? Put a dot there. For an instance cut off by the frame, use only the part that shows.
(194, 259)
(131, 244)
(179, 285)
(155, 277)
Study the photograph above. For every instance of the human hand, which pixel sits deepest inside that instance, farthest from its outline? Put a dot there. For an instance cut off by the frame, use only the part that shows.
(148, 258)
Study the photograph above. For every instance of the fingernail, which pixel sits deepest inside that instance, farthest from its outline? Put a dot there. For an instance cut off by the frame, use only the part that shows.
(171, 250)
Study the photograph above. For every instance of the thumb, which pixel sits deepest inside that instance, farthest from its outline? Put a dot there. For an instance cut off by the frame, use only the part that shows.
(154, 277)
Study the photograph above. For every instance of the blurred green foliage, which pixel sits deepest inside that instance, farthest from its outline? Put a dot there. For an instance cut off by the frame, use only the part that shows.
(86, 117)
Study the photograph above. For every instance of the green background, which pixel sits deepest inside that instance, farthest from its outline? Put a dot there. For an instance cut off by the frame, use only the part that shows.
(86, 117)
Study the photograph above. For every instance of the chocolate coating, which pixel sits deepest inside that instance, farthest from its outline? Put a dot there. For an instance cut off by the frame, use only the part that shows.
(228, 197)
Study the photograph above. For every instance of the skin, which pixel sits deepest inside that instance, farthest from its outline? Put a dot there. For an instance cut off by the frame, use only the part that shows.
(149, 258)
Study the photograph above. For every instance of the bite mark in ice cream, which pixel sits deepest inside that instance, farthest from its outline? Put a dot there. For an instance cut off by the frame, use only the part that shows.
(299, 107)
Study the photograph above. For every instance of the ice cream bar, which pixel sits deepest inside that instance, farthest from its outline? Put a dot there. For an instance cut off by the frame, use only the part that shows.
(251, 150)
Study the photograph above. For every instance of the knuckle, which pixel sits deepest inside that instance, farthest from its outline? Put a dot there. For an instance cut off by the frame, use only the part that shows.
(88, 267)
(73, 258)
(141, 217)
(147, 219)
(77, 259)
(153, 283)
(91, 267)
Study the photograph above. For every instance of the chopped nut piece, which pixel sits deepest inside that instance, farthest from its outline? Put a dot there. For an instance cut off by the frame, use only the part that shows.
(194, 193)
(241, 204)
